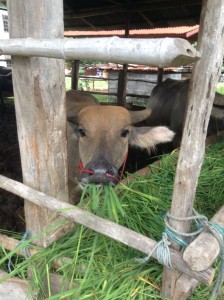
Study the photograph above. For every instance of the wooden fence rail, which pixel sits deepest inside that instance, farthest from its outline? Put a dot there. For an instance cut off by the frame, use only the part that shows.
(105, 227)
(154, 52)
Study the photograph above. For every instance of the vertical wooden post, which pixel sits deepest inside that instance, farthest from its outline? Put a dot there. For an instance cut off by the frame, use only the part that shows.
(201, 94)
(160, 75)
(123, 74)
(75, 74)
(122, 86)
(39, 88)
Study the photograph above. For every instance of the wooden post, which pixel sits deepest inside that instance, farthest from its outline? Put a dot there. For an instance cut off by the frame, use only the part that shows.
(201, 94)
(75, 74)
(160, 75)
(122, 86)
(123, 74)
(39, 88)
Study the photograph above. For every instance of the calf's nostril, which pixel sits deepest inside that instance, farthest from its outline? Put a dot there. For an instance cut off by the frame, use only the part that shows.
(110, 171)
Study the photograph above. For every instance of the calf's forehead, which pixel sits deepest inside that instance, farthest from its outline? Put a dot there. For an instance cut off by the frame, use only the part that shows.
(95, 116)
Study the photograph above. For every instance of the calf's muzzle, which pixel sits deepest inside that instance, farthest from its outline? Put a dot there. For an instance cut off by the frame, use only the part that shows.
(101, 172)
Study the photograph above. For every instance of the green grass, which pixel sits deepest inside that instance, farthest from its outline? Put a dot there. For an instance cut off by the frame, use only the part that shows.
(220, 88)
(98, 84)
(104, 269)
(85, 84)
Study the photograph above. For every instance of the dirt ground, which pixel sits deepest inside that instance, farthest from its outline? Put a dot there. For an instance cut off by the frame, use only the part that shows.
(11, 206)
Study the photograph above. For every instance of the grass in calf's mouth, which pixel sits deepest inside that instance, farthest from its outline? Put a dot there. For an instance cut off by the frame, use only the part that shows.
(103, 269)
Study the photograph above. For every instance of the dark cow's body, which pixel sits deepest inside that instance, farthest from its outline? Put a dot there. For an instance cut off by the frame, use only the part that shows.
(168, 102)
(6, 86)
(98, 139)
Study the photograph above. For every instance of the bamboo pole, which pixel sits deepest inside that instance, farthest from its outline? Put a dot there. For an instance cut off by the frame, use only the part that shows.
(201, 94)
(105, 227)
(154, 52)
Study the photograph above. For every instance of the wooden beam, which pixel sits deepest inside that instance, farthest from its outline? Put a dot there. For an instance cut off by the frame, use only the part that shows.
(39, 89)
(105, 227)
(201, 94)
(13, 288)
(163, 52)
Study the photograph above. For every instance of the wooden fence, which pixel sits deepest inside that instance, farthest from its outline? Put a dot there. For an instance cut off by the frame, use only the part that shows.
(39, 50)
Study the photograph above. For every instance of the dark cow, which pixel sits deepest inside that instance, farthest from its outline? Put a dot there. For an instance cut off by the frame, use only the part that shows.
(168, 102)
(6, 87)
(98, 139)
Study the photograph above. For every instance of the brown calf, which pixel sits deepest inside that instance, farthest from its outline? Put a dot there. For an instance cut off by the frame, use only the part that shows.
(99, 136)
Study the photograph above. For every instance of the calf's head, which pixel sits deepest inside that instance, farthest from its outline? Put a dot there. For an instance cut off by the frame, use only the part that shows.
(103, 134)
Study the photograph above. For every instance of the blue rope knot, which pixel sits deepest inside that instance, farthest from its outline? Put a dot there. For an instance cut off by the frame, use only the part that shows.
(202, 224)
(162, 252)
(24, 250)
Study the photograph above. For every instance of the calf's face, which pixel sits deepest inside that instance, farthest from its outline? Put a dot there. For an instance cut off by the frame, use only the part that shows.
(104, 133)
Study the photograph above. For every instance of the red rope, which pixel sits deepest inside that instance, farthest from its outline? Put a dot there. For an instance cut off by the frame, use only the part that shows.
(124, 164)
(81, 170)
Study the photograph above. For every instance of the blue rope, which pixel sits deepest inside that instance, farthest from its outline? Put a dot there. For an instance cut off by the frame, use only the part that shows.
(175, 238)
(25, 250)
(202, 224)
(220, 278)
(162, 252)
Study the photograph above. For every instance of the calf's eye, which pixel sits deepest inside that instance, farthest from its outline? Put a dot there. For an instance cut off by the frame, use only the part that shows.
(81, 132)
(124, 133)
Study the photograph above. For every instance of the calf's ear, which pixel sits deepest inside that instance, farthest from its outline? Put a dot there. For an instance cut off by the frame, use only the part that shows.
(149, 137)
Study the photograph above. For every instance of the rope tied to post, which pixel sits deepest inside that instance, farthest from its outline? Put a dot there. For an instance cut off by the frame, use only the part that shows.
(24, 250)
(162, 252)
(202, 223)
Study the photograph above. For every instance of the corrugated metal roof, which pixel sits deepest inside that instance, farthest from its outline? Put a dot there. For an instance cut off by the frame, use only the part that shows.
(181, 31)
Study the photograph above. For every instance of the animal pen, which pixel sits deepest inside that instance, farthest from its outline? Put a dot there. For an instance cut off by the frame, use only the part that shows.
(39, 50)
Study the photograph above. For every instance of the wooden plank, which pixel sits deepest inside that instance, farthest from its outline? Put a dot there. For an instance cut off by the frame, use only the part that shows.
(201, 94)
(108, 228)
(161, 53)
(13, 288)
(39, 89)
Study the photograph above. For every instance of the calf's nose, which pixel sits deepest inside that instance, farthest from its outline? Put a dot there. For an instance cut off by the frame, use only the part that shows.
(100, 171)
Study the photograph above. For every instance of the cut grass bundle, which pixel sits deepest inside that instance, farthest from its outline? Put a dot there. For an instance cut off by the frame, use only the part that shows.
(103, 269)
